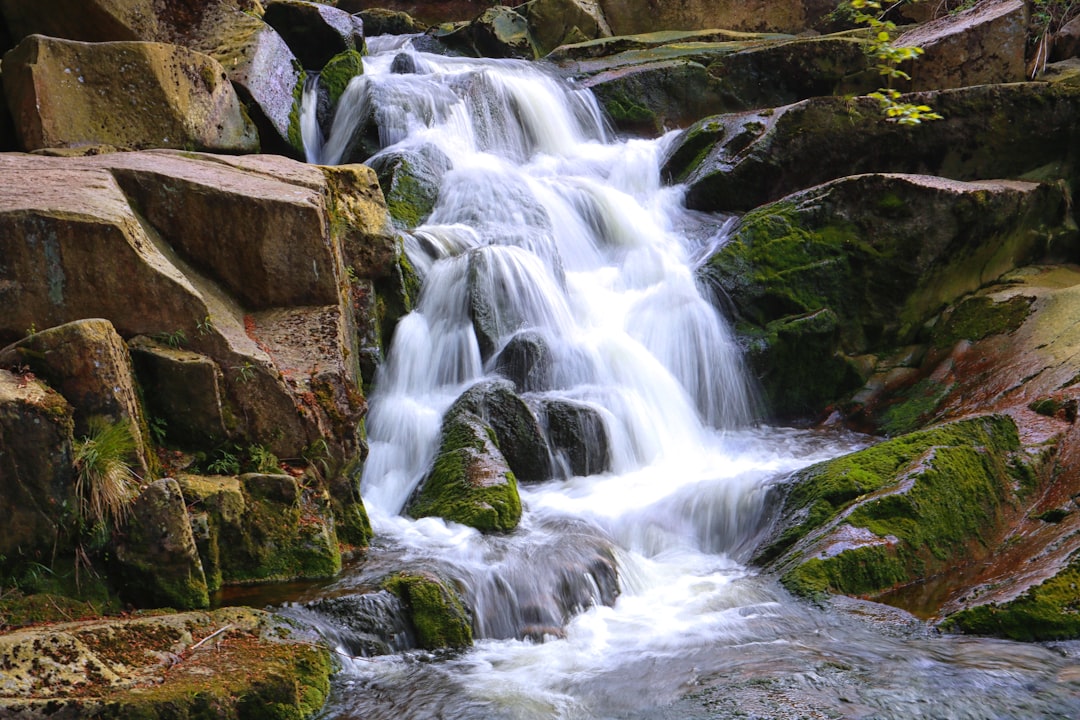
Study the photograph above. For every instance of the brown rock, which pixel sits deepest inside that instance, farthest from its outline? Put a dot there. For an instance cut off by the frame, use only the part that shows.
(982, 45)
(627, 17)
(127, 94)
(36, 477)
(88, 363)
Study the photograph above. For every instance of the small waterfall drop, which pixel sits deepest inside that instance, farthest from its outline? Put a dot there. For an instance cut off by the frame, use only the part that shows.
(553, 253)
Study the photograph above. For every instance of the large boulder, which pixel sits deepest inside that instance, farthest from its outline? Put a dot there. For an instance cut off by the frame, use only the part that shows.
(313, 31)
(88, 363)
(739, 161)
(627, 17)
(858, 265)
(74, 247)
(37, 483)
(981, 45)
(470, 481)
(664, 80)
(259, 528)
(125, 94)
(910, 508)
(157, 561)
(264, 70)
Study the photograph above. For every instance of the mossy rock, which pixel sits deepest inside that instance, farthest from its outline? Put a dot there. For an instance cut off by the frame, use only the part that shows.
(436, 610)
(1047, 611)
(907, 508)
(517, 430)
(470, 481)
(410, 180)
(860, 265)
(339, 71)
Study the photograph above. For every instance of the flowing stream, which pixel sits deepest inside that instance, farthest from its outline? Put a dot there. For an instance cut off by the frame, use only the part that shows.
(624, 593)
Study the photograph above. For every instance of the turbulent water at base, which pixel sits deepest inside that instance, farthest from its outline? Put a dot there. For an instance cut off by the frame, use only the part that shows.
(624, 594)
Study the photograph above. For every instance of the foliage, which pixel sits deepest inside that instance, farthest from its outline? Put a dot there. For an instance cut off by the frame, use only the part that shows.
(889, 58)
(262, 460)
(105, 484)
(174, 339)
(245, 373)
(1047, 17)
(205, 326)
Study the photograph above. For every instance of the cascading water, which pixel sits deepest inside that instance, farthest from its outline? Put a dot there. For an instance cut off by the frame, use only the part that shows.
(624, 592)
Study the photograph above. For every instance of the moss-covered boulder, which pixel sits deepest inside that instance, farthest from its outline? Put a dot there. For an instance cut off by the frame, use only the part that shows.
(131, 95)
(410, 180)
(315, 32)
(740, 161)
(157, 562)
(261, 528)
(167, 666)
(517, 431)
(437, 613)
(858, 265)
(336, 74)
(38, 488)
(470, 481)
(906, 509)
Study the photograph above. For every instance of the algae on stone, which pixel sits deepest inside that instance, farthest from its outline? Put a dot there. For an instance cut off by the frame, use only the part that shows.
(437, 613)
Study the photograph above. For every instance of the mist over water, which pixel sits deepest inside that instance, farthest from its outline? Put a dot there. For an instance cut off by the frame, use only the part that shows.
(624, 594)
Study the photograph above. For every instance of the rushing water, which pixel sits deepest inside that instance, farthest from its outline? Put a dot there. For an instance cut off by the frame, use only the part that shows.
(623, 594)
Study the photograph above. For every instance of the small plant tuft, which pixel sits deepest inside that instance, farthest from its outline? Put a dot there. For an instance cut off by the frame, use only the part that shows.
(105, 483)
(174, 339)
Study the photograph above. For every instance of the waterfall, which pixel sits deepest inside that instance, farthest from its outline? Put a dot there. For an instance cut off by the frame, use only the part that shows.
(553, 253)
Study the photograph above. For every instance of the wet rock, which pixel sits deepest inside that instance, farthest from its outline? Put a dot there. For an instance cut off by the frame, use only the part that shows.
(578, 436)
(313, 31)
(366, 625)
(157, 561)
(410, 180)
(338, 72)
(126, 94)
(438, 615)
(992, 131)
(526, 360)
(88, 363)
(517, 431)
(559, 22)
(981, 45)
(470, 481)
(36, 434)
(908, 508)
(824, 275)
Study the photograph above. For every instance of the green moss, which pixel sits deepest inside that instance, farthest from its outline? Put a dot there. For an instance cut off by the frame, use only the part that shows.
(914, 407)
(338, 71)
(295, 135)
(857, 571)
(449, 493)
(979, 317)
(625, 109)
(410, 281)
(437, 613)
(939, 497)
(824, 490)
(1050, 611)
